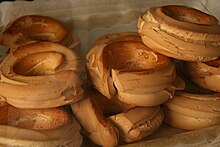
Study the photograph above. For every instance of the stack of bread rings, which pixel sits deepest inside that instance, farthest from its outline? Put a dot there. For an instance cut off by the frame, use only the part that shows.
(131, 82)
(192, 38)
(41, 72)
(136, 81)
(121, 66)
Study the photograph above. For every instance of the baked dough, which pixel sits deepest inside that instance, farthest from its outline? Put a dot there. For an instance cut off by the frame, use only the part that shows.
(38, 127)
(180, 32)
(41, 75)
(120, 65)
(192, 111)
(204, 74)
(30, 28)
(104, 120)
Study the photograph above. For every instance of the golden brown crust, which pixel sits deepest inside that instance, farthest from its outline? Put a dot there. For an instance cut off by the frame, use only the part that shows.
(30, 28)
(31, 119)
(41, 127)
(34, 26)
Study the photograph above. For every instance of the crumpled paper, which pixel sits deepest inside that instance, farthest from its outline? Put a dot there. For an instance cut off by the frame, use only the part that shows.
(93, 18)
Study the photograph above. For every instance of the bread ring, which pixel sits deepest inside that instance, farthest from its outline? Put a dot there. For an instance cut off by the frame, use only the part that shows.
(138, 122)
(37, 28)
(89, 113)
(204, 74)
(41, 75)
(132, 124)
(38, 127)
(181, 32)
(120, 65)
(193, 111)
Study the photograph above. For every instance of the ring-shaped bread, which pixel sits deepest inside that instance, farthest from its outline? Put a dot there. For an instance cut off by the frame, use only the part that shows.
(90, 114)
(204, 74)
(180, 32)
(41, 75)
(191, 111)
(120, 65)
(105, 120)
(38, 127)
(30, 28)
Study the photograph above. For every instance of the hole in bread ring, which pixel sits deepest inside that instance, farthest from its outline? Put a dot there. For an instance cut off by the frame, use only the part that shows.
(42, 64)
(126, 56)
(38, 64)
(41, 72)
(190, 15)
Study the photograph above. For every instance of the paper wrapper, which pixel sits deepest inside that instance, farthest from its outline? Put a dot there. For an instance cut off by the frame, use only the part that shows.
(93, 18)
